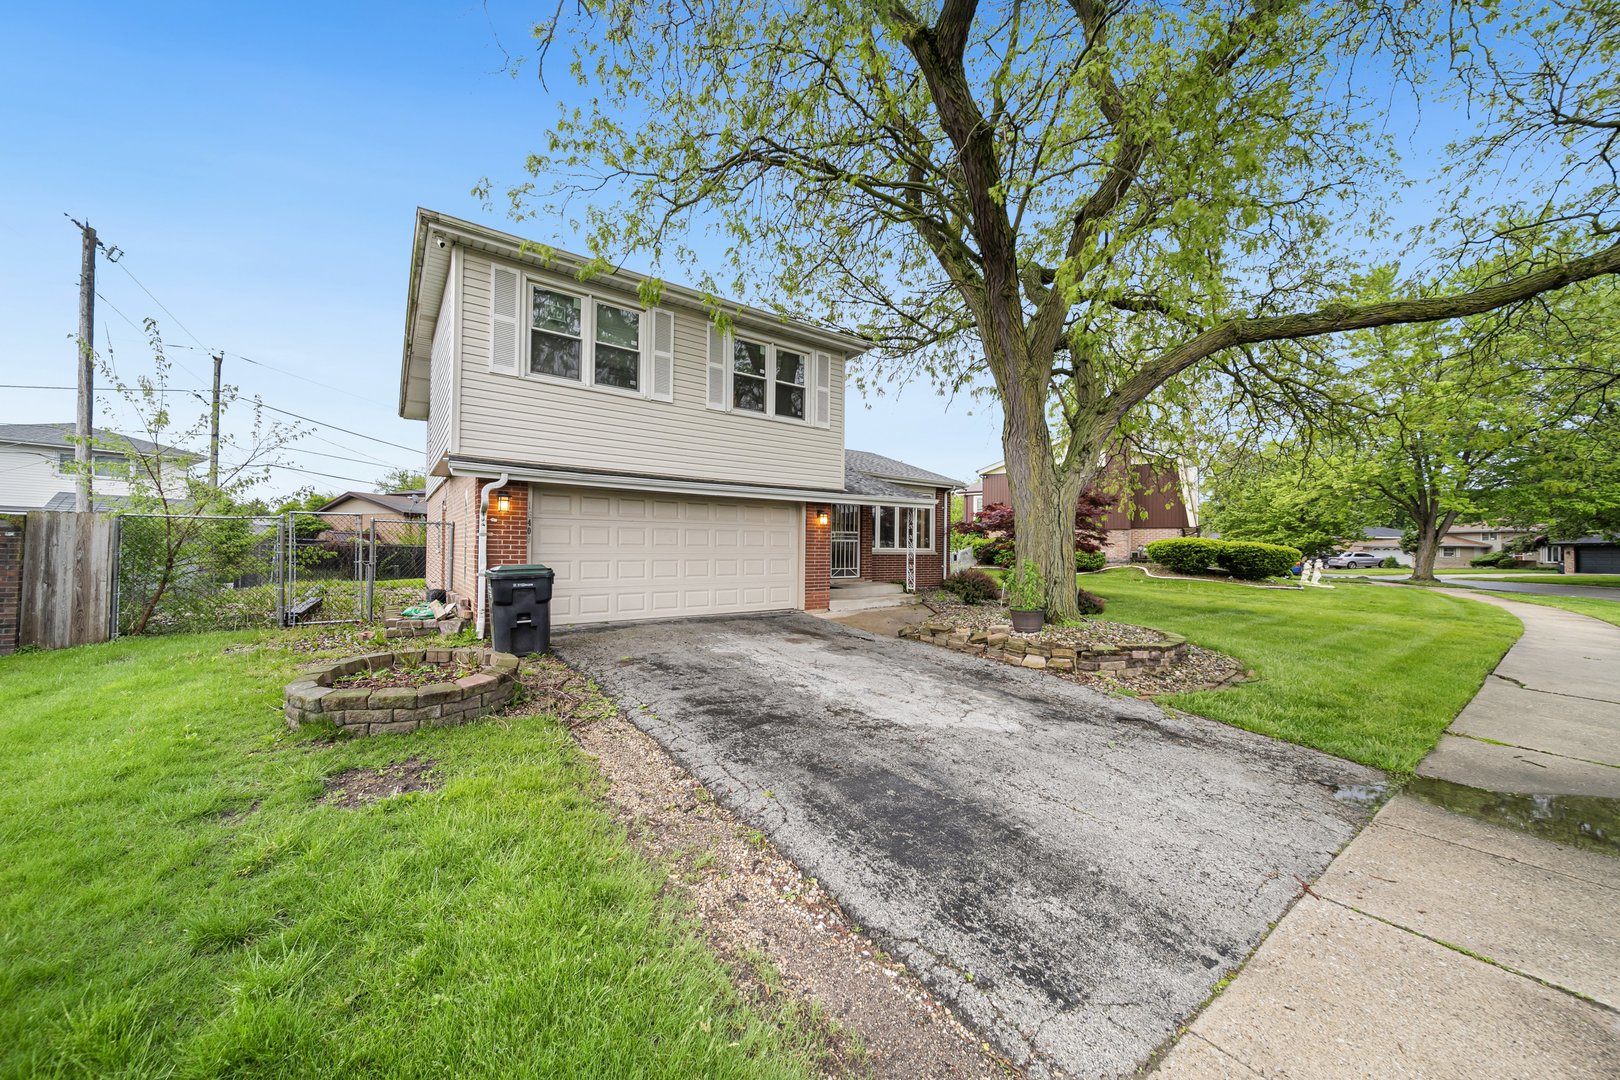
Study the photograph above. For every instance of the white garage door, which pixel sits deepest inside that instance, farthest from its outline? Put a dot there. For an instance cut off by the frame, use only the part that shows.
(638, 556)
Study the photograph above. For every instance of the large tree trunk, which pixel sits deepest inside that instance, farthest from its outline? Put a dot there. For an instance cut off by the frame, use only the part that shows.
(1430, 529)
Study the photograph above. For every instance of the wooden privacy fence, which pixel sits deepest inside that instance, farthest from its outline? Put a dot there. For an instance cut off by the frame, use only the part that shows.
(67, 578)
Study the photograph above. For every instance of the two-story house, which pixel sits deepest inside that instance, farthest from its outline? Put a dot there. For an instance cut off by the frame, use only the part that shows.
(37, 467)
(1156, 501)
(663, 462)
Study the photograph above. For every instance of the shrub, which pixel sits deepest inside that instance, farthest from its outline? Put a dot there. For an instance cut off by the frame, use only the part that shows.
(1483, 560)
(1250, 560)
(971, 586)
(1002, 552)
(1026, 589)
(1185, 554)
(1090, 603)
(1087, 561)
(1390, 563)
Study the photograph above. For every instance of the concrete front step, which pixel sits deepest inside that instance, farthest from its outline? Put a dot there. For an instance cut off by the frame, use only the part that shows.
(863, 603)
(855, 589)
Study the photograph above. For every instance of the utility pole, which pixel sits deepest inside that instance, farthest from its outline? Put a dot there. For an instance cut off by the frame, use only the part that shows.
(87, 365)
(213, 429)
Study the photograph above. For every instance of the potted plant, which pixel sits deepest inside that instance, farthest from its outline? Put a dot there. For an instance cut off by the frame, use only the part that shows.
(1026, 597)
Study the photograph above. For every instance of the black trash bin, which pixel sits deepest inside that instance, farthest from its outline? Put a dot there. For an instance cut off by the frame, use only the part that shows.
(520, 608)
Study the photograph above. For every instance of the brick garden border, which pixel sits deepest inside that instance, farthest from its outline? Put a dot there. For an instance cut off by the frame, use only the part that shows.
(393, 709)
(1000, 643)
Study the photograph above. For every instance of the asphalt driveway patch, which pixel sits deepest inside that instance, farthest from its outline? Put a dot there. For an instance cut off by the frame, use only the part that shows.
(1072, 871)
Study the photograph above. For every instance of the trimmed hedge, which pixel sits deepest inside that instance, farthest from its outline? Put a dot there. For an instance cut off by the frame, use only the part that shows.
(1185, 554)
(1245, 559)
(1086, 561)
(1250, 560)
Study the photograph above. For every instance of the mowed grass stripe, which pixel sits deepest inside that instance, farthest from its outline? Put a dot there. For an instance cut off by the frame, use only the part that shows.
(1369, 673)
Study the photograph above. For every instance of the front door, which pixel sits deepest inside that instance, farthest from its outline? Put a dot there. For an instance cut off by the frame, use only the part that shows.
(846, 541)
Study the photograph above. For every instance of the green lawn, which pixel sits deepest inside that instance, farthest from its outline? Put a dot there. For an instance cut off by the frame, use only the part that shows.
(1606, 581)
(1371, 674)
(174, 903)
(1607, 610)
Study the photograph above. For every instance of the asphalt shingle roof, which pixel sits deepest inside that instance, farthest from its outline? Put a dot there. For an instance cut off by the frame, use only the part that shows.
(877, 466)
(60, 434)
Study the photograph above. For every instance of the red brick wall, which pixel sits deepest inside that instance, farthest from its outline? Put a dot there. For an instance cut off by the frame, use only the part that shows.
(1121, 542)
(817, 555)
(509, 531)
(892, 567)
(11, 553)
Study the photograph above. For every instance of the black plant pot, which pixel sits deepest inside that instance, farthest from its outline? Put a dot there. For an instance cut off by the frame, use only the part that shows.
(1028, 622)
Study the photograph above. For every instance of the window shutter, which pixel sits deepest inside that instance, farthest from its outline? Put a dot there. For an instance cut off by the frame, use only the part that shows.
(503, 320)
(663, 355)
(822, 391)
(717, 368)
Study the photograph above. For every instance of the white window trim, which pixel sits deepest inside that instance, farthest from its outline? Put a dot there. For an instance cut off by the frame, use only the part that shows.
(587, 341)
(729, 347)
(877, 549)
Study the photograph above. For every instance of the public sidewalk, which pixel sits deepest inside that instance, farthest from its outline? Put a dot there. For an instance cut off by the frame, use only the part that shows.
(1441, 945)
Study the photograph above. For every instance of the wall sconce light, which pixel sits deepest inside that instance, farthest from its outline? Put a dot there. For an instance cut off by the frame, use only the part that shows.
(503, 502)
(821, 516)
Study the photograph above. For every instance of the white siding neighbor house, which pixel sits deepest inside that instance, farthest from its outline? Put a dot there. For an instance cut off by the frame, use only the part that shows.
(662, 461)
(36, 468)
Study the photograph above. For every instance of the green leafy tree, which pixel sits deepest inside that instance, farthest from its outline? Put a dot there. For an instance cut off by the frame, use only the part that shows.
(1289, 495)
(1077, 202)
(173, 537)
(402, 480)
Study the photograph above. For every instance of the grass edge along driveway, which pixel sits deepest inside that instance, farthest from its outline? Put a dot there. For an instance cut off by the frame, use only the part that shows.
(175, 903)
(1366, 673)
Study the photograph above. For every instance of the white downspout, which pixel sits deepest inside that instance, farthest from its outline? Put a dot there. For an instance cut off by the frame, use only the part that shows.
(483, 552)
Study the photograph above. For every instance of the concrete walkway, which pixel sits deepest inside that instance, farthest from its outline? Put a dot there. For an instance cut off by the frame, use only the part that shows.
(1442, 945)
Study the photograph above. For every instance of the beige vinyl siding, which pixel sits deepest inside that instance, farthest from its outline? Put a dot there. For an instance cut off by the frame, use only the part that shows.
(442, 366)
(542, 422)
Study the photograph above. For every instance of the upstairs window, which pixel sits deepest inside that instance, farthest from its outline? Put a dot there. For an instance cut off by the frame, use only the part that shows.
(618, 347)
(790, 372)
(748, 376)
(555, 343)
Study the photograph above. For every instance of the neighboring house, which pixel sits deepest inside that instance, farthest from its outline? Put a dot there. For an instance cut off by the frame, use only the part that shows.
(661, 465)
(1384, 543)
(972, 500)
(1586, 555)
(369, 506)
(1158, 502)
(36, 468)
(1492, 537)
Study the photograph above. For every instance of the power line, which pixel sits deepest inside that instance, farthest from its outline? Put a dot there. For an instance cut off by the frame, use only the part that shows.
(256, 401)
(159, 303)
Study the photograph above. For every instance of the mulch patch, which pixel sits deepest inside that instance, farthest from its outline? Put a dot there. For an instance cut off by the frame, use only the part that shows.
(424, 675)
(361, 787)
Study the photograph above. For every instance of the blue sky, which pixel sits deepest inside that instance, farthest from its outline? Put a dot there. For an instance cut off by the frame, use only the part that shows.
(260, 166)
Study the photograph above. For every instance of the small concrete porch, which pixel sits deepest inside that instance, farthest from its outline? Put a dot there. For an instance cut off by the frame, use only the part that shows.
(859, 594)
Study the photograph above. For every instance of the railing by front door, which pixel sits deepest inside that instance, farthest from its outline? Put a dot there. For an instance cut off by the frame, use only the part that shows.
(846, 542)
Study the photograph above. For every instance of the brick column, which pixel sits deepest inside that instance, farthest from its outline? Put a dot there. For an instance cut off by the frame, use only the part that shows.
(11, 554)
(508, 542)
(817, 555)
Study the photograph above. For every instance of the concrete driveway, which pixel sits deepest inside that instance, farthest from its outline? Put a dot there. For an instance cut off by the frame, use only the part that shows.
(1072, 871)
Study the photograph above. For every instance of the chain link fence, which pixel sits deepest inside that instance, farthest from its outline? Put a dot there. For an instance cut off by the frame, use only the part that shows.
(179, 574)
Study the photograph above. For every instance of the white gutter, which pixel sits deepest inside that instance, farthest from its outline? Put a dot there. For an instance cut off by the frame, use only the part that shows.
(483, 552)
(620, 482)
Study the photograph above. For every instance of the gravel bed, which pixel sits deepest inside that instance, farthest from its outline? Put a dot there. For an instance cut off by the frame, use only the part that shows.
(1091, 632)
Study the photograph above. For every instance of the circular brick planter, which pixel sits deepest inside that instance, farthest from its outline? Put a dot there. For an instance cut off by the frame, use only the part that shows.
(361, 710)
(999, 643)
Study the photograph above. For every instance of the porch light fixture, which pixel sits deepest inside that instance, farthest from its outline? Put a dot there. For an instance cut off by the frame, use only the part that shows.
(821, 516)
(503, 502)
